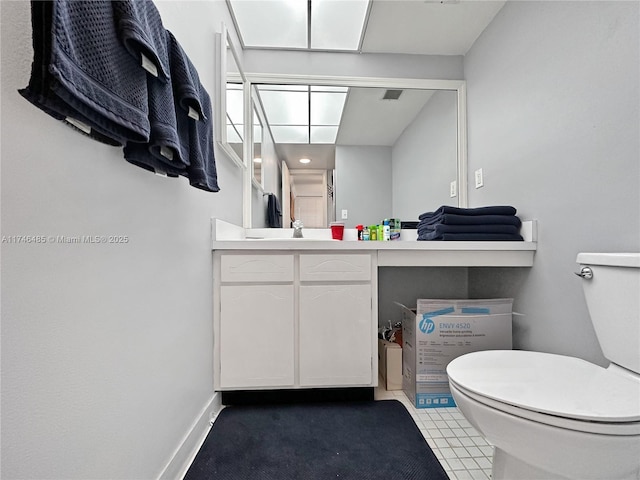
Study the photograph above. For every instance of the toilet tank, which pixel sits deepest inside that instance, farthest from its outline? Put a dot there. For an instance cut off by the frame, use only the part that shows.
(613, 300)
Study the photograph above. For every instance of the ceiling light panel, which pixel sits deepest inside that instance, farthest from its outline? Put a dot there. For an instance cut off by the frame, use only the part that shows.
(326, 108)
(290, 133)
(324, 134)
(272, 23)
(337, 25)
(285, 107)
(303, 114)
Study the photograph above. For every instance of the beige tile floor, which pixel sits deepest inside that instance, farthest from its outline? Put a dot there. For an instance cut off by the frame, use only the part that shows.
(462, 451)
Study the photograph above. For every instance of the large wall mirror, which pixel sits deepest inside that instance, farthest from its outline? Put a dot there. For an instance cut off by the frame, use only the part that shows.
(378, 148)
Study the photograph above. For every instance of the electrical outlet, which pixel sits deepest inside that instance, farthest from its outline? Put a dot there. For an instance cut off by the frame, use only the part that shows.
(479, 178)
(453, 189)
(344, 214)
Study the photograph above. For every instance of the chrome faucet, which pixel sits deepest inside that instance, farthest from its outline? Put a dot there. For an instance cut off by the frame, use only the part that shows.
(297, 229)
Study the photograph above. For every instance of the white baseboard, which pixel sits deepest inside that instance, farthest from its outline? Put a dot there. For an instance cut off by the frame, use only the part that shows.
(192, 441)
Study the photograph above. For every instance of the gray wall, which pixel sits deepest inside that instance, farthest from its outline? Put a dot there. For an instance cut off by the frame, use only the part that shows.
(424, 159)
(406, 284)
(553, 99)
(363, 184)
(107, 349)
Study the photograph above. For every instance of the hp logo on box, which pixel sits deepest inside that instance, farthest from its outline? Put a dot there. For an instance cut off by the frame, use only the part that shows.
(426, 325)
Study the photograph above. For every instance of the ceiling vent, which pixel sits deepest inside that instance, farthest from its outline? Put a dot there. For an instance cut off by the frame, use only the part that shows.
(392, 94)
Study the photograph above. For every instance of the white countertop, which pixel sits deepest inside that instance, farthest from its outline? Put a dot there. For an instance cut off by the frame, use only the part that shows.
(404, 252)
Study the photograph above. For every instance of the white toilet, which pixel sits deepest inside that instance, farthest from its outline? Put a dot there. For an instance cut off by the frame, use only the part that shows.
(556, 417)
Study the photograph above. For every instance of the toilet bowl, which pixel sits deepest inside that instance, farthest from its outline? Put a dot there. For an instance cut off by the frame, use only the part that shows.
(558, 417)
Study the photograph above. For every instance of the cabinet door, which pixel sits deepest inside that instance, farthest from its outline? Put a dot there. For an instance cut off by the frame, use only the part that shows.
(335, 335)
(256, 336)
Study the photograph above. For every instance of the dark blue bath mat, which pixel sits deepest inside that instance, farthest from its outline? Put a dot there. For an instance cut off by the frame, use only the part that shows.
(346, 441)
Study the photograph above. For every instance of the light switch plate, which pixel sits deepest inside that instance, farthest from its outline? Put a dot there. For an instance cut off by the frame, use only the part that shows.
(479, 178)
(344, 214)
(453, 189)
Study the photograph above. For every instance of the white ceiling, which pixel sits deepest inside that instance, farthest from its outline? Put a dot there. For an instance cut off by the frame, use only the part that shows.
(427, 27)
(367, 119)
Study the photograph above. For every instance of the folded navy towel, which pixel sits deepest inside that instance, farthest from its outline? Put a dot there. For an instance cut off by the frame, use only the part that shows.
(185, 80)
(164, 152)
(39, 91)
(490, 210)
(440, 229)
(201, 170)
(141, 31)
(139, 154)
(93, 72)
(196, 136)
(492, 237)
(452, 219)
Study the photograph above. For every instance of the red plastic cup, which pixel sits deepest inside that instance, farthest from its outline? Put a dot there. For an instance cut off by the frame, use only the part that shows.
(337, 230)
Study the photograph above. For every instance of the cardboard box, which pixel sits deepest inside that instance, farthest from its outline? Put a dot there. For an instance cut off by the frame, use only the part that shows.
(438, 331)
(390, 364)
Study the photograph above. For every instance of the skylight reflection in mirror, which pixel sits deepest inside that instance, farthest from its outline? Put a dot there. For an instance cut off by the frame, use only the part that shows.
(311, 115)
(324, 134)
(284, 107)
(285, 24)
(290, 133)
(235, 113)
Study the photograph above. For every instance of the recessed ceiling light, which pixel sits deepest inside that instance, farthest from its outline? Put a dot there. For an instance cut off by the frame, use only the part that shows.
(257, 160)
(305, 160)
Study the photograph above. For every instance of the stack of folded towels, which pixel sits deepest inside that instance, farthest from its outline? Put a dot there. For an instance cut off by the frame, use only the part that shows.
(494, 223)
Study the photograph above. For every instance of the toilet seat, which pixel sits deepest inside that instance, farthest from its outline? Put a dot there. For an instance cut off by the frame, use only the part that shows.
(556, 390)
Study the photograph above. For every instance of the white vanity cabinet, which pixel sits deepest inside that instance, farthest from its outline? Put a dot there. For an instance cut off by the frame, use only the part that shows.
(256, 321)
(335, 329)
(294, 320)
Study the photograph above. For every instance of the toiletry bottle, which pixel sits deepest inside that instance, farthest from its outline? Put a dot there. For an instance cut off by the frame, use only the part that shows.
(386, 230)
(395, 225)
(373, 232)
(381, 232)
(365, 233)
(359, 228)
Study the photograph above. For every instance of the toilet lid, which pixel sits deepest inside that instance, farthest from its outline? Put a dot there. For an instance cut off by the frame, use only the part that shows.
(552, 384)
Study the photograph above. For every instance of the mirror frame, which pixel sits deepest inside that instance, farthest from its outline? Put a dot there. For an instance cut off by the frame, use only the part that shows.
(459, 86)
(224, 41)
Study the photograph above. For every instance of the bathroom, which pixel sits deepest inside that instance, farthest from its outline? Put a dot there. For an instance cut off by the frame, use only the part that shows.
(107, 349)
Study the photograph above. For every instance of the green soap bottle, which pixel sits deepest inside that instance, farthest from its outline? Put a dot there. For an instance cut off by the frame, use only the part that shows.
(373, 232)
